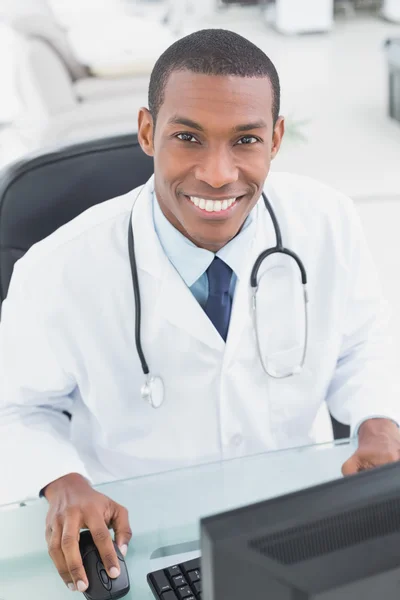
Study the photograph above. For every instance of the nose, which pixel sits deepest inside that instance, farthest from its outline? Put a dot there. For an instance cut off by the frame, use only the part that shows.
(217, 168)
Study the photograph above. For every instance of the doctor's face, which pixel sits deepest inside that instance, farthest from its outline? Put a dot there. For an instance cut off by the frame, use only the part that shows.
(212, 145)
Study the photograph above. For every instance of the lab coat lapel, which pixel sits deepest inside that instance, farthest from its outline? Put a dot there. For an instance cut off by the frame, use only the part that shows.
(176, 302)
(182, 309)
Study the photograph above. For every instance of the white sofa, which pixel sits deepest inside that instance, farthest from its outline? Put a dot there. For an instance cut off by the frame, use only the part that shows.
(62, 98)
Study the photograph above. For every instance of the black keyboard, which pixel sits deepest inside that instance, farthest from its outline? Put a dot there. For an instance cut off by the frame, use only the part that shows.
(180, 582)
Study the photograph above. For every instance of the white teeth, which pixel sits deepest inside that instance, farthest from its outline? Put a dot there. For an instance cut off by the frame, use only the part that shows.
(212, 205)
(209, 206)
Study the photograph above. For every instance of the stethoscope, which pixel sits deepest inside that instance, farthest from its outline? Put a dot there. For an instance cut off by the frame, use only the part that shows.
(152, 390)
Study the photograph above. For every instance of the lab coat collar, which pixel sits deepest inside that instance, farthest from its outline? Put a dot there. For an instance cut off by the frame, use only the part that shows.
(175, 302)
(150, 256)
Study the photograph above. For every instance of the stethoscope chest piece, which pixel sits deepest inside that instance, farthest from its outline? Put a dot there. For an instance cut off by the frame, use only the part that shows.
(153, 391)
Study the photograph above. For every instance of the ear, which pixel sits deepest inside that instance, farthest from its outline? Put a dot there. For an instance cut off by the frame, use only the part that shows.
(145, 131)
(279, 131)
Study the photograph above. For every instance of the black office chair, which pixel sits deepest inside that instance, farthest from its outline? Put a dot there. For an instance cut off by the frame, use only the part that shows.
(41, 193)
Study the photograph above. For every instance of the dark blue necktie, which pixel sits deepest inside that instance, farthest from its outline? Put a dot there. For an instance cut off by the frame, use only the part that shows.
(219, 303)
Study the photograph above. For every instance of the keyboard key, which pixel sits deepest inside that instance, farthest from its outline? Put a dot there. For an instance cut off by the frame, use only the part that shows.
(184, 592)
(160, 582)
(179, 581)
(174, 571)
(193, 576)
(170, 596)
(191, 565)
(197, 587)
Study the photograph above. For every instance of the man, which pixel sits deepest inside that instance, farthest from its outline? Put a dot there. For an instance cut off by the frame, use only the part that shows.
(67, 338)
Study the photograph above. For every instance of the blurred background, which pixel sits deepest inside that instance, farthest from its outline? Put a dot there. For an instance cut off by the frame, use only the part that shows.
(76, 69)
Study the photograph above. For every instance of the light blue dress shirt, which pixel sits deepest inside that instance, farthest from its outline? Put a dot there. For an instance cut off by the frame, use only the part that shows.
(192, 262)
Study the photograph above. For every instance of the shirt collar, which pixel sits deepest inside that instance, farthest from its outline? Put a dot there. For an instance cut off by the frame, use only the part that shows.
(189, 260)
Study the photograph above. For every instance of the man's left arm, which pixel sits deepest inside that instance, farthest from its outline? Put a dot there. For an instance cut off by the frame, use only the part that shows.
(365, 389)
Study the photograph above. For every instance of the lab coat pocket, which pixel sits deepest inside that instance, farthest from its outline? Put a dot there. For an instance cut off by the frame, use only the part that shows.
(296, 401)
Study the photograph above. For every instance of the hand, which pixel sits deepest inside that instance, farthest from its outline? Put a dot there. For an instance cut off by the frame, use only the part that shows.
(378, 444)
(75, 505)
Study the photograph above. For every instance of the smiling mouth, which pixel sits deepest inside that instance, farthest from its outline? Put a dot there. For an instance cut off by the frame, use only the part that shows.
(213, 206)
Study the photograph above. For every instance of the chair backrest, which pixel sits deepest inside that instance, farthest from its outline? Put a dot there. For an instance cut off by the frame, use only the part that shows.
(39, 194)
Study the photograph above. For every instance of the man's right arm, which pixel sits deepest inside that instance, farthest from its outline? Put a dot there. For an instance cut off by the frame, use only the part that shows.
(34, 391)
(35, 447)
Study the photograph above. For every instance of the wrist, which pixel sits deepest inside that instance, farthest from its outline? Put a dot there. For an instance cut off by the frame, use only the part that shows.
(377, 427)
(72, 479)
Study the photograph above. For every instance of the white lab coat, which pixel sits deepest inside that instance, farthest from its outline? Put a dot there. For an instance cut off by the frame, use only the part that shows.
(67, 343)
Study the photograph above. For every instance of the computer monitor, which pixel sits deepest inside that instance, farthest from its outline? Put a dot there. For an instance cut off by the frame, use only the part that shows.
(336, 541)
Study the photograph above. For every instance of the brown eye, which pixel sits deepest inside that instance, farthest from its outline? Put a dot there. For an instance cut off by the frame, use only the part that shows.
(248, 139)
(186, 137)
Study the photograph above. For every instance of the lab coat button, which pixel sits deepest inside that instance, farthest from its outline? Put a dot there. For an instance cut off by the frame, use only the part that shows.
(237, 440)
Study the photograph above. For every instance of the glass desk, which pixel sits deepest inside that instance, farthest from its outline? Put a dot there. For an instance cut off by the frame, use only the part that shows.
(164, 514)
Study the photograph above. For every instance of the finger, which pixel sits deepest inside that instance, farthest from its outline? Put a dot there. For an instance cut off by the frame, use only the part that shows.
(49, 532)
(102, 538)
(363, 461)
(53, 537)
(351, 466)
(71, 552)
(122, 530)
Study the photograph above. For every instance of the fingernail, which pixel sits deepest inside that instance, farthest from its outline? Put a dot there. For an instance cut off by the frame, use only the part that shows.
(71, 587)
(81, 586)
(114, 572)
(124, 549)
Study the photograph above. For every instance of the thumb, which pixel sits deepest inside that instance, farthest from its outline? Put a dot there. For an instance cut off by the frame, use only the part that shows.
(121, 527)
(351, 466)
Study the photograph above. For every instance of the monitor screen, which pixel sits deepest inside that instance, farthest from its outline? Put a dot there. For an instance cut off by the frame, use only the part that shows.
(336, 541)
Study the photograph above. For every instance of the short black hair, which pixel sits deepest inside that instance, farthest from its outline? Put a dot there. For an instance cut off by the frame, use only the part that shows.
(212, 52)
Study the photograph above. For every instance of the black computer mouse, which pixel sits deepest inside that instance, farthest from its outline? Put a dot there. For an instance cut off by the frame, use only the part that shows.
(101, 586)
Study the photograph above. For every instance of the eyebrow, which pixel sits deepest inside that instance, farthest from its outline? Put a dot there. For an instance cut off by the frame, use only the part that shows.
(177, 120)
(249, 126)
